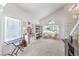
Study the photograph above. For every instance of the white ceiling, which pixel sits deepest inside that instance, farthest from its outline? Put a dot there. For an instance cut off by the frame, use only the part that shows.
(40, 10)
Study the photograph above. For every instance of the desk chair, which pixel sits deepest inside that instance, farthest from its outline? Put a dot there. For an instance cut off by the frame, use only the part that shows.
(18, 46)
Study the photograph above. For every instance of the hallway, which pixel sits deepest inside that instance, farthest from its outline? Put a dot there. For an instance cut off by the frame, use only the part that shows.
(45, 47)
(33, 21)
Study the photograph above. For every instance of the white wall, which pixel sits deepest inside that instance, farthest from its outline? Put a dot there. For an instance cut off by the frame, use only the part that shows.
(58, 18)
(12, 10)
(1, 29)
(64, 19)
(69, 21)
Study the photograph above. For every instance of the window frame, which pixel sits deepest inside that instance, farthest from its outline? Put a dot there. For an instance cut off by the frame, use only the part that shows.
(5, 29)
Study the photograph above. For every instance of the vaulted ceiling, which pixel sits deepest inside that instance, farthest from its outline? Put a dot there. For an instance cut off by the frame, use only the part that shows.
(39, 10)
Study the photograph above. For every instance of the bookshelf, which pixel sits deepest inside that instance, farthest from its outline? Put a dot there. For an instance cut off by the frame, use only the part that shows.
(38, 31)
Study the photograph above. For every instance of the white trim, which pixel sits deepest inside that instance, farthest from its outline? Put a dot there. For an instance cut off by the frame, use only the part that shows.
(74, 28)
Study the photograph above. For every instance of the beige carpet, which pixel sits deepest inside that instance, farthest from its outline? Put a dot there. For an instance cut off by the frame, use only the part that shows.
(45, 47)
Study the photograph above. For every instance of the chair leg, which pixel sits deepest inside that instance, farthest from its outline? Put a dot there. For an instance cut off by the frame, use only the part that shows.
(12, 52)
(21, 49)
(16, 53)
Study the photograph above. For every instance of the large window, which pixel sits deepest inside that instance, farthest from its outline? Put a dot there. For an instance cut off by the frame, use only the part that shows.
(12, 29)
(51, 26)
